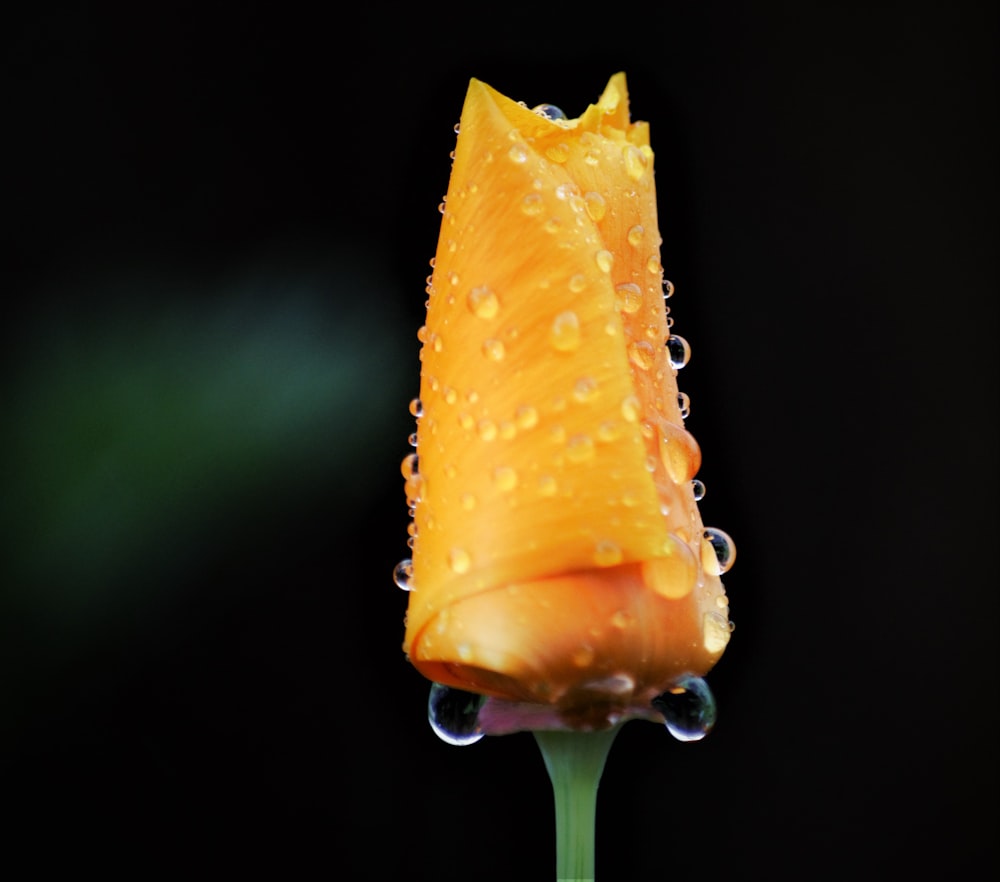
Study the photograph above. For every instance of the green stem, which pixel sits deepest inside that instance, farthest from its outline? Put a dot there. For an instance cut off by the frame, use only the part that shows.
(575, 761)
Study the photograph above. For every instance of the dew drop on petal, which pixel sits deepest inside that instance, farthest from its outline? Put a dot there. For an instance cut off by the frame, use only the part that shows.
(558, 153)
(402, 575)
(459, 560)
(580, 448)
(526, 417)
(641, 354)
(518, 153)
(505, 478)
(628, 298)
(634, 235)
(698, 488)
(688, 709)
(684, 404)
(494, 349)
(635, 161)
(549, 111)
(668, 289)
(483, 302)
(605, 260)
(547, 485)
(565, 332)
(631, 409)
(718, 551)
(417, 408)
(678, 351)
(532, 204)
(607, 553)
(454, 715)
(596, 205)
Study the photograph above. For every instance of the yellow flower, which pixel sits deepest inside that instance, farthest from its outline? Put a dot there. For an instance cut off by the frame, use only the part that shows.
(559, 556)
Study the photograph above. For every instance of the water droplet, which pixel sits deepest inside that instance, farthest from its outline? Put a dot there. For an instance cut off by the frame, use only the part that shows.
(609, 430)
(532, 204)
(526, 417)
(592, 156)
(547, 485)
(716, 630)
(607, 553)
(680, 453)
(688, 708)
(565, 332)
(454, 715)
(678, 351)
(674, 574)
(505, 478)
(549, 111)
(417, 408)
(668, 289)
(642, 354)
(577, 283)
(403, 574)
(483, 302)
(631, 409)
(459, 560)
(718, 551)
(557, 152)
(597, 207)
(580, 448)
(634, 235)
(605, 260)
(628, 298)
(487, 429)
(635, 161)
(684, 404)
(409, 466)
(698, 488)
(458, 128)
(412, 439)
(584, 389)
(518, 153)
(494, 349)
(565, 191)
(653, 265)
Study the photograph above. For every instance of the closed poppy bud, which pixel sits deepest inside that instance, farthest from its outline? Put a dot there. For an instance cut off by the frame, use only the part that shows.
(559, 558)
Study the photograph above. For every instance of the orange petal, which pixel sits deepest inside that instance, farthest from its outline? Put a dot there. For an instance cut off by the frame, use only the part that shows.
(558, 542)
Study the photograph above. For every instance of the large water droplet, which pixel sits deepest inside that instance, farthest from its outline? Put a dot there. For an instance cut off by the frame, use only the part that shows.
(698, 488)
(688, 708)
(454, 715)
(718, 551)
(668, 289)
(403, 574)
(678, 351)
(549, 111)
(417, 408)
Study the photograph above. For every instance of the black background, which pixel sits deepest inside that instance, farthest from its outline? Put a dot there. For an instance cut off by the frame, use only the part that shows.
(230, 691)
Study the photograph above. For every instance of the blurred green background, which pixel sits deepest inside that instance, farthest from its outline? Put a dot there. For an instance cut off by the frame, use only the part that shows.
(217, 224)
